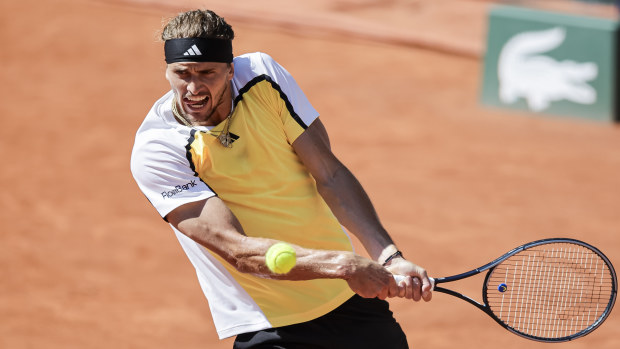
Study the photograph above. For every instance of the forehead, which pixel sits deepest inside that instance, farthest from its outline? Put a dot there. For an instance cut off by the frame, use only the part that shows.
(197, 65)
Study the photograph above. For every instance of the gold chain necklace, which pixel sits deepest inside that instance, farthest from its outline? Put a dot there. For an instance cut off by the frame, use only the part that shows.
(224, 137)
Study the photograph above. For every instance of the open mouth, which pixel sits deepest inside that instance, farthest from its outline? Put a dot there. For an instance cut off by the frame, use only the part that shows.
(195, 102)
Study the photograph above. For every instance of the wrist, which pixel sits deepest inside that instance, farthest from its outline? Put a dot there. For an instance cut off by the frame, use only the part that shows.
(390, 258)
(389, 255)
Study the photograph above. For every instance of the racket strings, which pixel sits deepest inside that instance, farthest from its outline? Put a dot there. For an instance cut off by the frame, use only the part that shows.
(551, 291)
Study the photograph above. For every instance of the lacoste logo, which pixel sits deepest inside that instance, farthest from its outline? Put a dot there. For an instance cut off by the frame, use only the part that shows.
(193, 51)
(177, 189)
(524, 71)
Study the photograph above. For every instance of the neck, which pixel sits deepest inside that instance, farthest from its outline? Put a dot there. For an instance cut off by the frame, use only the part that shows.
(222, 110)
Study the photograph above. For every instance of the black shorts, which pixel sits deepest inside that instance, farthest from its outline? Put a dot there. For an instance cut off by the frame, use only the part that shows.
(358, 323)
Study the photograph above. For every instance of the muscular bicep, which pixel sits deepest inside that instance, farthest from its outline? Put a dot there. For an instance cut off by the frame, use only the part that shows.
(210, 223)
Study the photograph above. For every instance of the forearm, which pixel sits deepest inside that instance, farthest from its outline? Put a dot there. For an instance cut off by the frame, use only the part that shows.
(353, 208)
(247, 254)
(211, 224)
(310, 263)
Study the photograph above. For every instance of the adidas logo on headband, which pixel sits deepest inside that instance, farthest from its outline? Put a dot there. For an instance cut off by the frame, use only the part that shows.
(193, 51)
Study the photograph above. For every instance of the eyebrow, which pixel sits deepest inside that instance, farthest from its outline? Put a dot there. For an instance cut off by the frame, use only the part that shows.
(182, 69)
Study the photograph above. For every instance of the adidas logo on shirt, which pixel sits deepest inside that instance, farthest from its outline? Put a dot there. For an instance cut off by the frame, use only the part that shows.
(193, 51)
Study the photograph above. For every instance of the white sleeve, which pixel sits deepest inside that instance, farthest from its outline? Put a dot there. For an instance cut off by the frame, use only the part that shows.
(165, 176)
(262, 63)
(300, 103)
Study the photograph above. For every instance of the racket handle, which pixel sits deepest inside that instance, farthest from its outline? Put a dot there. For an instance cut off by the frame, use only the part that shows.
(399, 278)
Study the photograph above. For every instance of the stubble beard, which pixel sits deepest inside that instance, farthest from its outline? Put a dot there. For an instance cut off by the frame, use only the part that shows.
(213, 109)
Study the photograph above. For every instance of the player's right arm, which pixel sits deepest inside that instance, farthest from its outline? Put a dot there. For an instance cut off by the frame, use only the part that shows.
(211, 224)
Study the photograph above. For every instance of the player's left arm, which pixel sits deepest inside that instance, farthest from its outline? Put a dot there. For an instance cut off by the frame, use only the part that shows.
(350, 203)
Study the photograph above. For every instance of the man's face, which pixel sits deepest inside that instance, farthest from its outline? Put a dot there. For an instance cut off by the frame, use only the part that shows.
(202, 88)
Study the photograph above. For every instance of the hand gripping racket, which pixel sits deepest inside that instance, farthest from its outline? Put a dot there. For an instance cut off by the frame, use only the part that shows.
(551, 290)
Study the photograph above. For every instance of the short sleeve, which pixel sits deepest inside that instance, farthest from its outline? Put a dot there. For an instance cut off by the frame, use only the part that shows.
(298, 113)
(164, 174)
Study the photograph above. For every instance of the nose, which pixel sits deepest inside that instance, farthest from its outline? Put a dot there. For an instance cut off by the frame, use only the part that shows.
(194, 86)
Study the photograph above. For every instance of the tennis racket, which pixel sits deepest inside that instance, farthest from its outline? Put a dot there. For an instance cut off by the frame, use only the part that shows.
(551, 290)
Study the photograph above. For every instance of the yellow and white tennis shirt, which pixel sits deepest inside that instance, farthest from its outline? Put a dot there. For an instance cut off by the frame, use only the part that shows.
(261, 180)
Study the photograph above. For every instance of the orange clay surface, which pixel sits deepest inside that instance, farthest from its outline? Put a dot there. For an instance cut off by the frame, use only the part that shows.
(85, 262)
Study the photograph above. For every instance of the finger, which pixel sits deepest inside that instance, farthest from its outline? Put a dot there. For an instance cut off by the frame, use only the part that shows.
(383, 292)
(427, 288)
(416, 288)
(409, 293)
(402, 289)
(394, 289)
(404, 286)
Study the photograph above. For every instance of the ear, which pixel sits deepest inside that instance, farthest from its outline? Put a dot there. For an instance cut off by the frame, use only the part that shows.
(231, 72)
(166, 72)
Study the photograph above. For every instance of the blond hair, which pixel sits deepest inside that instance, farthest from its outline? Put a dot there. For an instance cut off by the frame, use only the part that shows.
(197, 24)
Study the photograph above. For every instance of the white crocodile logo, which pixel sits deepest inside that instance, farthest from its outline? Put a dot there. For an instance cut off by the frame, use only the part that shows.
(524, 72)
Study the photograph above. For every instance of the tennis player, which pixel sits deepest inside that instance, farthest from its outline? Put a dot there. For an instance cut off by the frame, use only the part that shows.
(235, 159)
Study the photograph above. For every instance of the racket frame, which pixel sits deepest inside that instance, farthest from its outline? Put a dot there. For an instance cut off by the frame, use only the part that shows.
(489, 268)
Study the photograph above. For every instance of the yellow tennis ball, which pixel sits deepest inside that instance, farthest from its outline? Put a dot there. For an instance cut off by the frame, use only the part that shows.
(280, 258)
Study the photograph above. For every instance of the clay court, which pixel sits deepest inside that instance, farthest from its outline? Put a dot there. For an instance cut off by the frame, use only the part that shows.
(85, 261)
